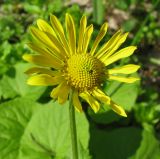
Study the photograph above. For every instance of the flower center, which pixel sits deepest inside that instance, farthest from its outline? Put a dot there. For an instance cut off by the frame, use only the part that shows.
(84, 72)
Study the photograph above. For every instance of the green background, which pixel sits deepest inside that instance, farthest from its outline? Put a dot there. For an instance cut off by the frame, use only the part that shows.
(33, 126)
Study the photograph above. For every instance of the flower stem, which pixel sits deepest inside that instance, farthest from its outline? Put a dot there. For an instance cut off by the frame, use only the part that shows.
(73, 127)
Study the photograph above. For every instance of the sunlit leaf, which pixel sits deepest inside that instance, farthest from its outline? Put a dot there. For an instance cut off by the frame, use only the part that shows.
(48, 134)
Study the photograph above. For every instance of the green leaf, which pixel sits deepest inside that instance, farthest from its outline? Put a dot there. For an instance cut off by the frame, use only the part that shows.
(14, 117)
(129, 25)
(83, 153)
(124, 143)
(116, 143)
(98, 11)
(14, 84)
(56, 6)
(30, 131)
(123, 94)
(104, 116)
(122, 4)
(147, 112)
(149, 147)
(30, 8)
(48, 134)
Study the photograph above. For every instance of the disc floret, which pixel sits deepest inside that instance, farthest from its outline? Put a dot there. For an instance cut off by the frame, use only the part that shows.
(84, 72)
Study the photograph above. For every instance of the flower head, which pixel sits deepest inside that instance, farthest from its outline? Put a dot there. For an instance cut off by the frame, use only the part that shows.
(67, 63)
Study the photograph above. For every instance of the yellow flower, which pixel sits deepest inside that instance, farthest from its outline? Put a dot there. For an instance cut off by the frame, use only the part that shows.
(67, 63)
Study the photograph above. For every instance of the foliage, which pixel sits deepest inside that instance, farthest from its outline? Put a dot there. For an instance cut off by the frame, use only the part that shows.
(32, 126)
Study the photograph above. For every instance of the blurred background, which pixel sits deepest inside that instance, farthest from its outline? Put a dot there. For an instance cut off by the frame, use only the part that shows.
(111, 137)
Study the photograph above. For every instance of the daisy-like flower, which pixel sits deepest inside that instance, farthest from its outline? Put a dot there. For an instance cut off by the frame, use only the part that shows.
(65, 62)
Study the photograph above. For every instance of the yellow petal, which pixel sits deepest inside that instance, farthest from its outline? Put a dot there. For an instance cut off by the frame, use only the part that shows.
(43, 80)
(76, 102)
(118, 43)
(119, 110)
(108, 45)
(42, 61)
(42, 71)
(123, 79)
(120, 54)
(98, 94)
(55, 92)
(44, 51)
(106, 99)
(62, 50)
(83, 23)
(127, 69)
(70, 29)
(59, 31)
(87, 37)
(61, 92)
(99, 37)
(43, 39)
(91, 101)
(44, 26)
(39, 49)
(56, 24)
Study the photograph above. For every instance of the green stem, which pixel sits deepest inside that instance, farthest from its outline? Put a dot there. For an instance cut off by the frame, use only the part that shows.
(73, 127)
